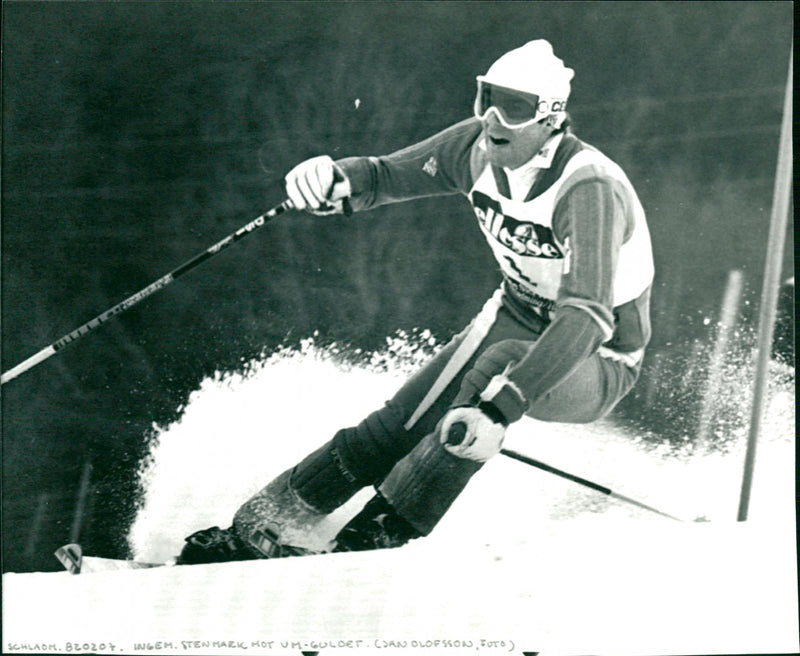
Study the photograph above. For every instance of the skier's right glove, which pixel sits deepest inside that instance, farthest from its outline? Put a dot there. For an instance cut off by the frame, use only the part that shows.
(476, 431)
(473, 433)
(320, 186)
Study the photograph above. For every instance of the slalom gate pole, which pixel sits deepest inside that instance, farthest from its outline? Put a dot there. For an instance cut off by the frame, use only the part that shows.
(147, 291)
(781, 202)
(582, 481)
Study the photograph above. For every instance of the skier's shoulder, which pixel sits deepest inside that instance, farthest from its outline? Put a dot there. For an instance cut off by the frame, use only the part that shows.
(580, 161)
(589, 178)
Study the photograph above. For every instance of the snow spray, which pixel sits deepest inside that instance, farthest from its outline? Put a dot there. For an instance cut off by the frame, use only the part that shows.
(240, 429)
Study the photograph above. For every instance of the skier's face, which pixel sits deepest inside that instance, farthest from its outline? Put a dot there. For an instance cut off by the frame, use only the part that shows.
(511, 148)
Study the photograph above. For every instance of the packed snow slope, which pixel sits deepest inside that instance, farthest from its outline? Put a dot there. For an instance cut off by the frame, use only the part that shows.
(524, 561)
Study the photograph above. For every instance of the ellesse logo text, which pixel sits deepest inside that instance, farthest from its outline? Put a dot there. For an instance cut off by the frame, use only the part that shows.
(523, 237)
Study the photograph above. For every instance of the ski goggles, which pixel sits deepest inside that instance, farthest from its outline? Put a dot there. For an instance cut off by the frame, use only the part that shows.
(514, 109)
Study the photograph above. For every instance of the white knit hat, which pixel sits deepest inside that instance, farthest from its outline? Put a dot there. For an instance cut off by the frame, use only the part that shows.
(532, 68)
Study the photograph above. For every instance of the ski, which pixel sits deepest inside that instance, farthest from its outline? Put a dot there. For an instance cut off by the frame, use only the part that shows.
(73, 559)
(75, 562)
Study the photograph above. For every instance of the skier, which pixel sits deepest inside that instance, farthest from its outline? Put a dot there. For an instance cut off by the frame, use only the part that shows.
(561, 340)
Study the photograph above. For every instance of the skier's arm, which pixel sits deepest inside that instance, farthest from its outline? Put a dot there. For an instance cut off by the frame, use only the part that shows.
(592, 217)
(439, 165)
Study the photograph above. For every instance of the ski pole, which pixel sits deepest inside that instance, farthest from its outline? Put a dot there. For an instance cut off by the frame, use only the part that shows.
(147, 291)
(582, 481)
(459, 429)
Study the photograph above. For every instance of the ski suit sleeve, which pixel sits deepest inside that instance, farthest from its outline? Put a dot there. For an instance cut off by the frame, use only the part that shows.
(439, 165)
(592, 218)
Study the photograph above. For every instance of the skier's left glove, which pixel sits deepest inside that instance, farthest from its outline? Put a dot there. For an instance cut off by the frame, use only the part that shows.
(476, 432)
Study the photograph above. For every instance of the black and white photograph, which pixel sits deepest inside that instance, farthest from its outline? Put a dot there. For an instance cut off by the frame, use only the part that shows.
(354, 328)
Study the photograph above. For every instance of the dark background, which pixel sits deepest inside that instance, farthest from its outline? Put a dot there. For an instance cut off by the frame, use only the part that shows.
(137, 134)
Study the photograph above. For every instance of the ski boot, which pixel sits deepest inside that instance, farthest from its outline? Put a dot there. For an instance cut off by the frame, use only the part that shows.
(268, 525)
(214, 545)
(277, 517)
(377, 526)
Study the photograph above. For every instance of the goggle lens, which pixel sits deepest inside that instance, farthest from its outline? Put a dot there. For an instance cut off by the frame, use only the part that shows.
(515, 107)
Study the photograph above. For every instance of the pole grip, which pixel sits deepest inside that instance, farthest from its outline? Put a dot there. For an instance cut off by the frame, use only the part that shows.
(457, 433)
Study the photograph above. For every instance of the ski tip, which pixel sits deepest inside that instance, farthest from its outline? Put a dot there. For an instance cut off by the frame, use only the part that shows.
(71, 557)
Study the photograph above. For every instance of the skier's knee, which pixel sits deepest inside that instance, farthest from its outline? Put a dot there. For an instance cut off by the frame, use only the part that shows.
(370, 450)
(321, 480)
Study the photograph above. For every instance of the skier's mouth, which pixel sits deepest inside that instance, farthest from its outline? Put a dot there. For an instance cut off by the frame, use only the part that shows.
(498, 141)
